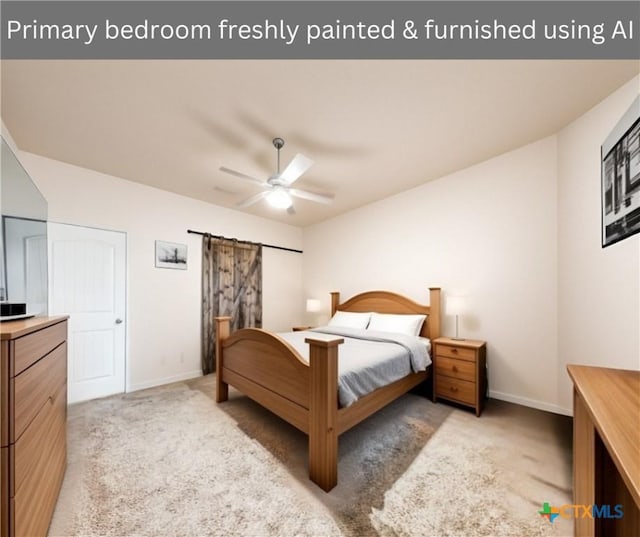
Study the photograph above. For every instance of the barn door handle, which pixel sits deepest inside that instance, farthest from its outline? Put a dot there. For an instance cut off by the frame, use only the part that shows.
(118, 321)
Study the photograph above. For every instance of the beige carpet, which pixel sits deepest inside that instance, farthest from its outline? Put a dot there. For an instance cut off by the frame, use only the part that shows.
(169, 461)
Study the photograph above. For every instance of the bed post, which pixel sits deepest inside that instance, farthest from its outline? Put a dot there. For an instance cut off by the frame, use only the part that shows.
(323, 412)
(335, 300)
(434, 317)
(222, 333)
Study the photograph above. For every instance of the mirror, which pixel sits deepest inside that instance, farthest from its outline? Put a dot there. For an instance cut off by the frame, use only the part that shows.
(23, 236)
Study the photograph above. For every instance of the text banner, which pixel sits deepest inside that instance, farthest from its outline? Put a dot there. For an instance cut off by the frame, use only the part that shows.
(320, 30)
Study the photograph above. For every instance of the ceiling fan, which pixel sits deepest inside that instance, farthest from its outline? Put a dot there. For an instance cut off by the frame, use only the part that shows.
(277, 189)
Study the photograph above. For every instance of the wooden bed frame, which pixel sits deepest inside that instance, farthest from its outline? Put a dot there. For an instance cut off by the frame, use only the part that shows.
(267, 369)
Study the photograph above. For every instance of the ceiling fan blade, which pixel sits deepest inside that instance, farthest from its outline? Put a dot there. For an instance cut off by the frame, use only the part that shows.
(242, 175)
(291, 210)
(253, 199)
(311, 196)
(295, 169)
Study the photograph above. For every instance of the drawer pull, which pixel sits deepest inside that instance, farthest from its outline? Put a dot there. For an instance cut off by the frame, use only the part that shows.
(454, 389)
(454, 350)
(454, 368)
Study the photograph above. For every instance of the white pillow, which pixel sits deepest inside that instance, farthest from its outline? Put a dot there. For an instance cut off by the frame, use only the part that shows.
(397, 323)
(350, 319)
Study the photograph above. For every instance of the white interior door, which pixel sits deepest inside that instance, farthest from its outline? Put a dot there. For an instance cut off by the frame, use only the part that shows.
(88, 283)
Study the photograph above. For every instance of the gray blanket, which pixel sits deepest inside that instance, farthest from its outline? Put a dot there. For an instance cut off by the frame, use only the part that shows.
(367, 360)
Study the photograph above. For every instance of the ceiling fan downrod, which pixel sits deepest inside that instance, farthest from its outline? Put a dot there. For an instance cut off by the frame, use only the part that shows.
(278, 143)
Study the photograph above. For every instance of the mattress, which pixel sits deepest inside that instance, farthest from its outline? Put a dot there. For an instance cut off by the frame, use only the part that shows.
(367, 360)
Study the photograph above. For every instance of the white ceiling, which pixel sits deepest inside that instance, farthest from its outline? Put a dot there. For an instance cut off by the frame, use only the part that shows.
(373, 128)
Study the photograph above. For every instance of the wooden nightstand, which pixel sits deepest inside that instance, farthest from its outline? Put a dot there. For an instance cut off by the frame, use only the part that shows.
(300, 328)
(460, 371)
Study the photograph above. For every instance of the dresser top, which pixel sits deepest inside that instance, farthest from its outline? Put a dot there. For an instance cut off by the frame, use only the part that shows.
(22, 327)
(469, 343)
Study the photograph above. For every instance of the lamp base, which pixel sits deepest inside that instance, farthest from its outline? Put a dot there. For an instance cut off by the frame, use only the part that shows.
(457, 338)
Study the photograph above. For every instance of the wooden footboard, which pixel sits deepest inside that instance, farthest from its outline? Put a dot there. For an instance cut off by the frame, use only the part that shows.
(266, 368)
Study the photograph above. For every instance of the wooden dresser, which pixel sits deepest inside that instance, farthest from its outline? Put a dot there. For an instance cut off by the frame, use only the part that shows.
(606, 450)
(33, 416)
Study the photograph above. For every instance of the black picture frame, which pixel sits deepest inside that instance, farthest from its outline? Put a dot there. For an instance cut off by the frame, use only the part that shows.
(620, 179)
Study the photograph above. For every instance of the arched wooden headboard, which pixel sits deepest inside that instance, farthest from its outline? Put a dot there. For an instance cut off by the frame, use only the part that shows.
(388, 302)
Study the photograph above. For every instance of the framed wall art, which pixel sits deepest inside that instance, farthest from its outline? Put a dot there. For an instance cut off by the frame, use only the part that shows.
(171, 255)
(620, 155)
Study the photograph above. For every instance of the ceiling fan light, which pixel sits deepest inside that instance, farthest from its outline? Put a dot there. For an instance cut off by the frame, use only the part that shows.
(279, 198)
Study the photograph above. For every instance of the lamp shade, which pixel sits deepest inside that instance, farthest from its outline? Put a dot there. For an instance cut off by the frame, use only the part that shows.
(455, 305)
(314, 305)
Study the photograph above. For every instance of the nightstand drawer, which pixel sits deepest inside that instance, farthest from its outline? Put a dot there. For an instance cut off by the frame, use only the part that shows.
(452, 367)
(456, 389)
(456, 352)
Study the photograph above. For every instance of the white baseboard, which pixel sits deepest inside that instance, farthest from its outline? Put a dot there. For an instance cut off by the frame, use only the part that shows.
(530, 403)
(166, 380)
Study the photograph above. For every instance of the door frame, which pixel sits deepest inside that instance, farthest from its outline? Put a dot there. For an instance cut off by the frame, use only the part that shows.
(127, 373)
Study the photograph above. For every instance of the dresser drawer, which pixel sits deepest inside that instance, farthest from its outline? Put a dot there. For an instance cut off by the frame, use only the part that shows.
(36, 499)
(452, 367)
(35, 386)
(29, 349)
(456, 352)
(456, 389)
(37, 445)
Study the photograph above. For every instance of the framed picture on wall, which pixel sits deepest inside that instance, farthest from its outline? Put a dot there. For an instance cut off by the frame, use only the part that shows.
(171, 255)
(620, 155)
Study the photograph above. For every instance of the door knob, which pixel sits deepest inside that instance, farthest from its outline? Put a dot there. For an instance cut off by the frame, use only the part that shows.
(118, 321)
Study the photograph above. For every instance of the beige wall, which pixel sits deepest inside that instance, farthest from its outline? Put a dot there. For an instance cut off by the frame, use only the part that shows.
(164, 305)
(488, 232)
(598, 299)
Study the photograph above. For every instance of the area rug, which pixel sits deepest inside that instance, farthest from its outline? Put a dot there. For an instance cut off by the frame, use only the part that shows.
(170, 461)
